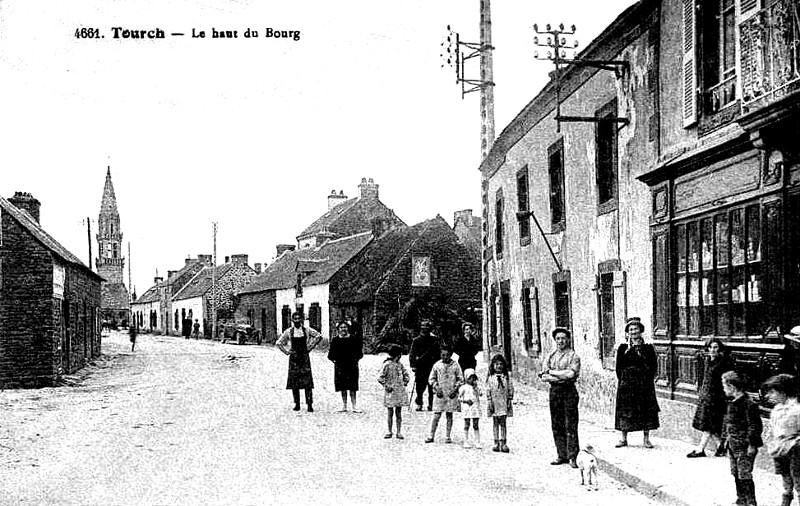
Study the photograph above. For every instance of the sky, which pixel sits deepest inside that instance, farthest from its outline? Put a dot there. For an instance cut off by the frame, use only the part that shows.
(252, 133)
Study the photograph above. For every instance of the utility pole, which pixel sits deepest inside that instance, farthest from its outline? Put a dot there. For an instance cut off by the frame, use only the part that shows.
(214, 286)
(89, 236)
(455, 58)
(130, 283)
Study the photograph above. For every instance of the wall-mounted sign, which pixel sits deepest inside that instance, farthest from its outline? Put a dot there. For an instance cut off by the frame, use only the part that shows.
(58, 281)
(420, 270)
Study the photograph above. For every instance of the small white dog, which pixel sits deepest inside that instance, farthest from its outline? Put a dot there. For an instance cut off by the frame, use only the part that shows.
(587, 463)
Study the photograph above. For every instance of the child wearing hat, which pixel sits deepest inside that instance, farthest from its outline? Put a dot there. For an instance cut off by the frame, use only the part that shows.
(394, 378)
(469, 395)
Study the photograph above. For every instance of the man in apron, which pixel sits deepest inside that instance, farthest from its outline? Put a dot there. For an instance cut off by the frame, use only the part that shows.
(300, 340)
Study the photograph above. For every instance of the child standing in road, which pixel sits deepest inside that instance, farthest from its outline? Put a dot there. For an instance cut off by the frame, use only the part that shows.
(394, 378)
(784, 423)
(742, 425)
(499, 394)
(470, 397)
(444, 380)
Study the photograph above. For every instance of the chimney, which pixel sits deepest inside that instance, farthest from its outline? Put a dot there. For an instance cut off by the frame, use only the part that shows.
(257, 267)
(171, 273)
(463, 216)
(189, 261)
(239, 259)
(27, 202)
(204, 259)
(334, 199)
(158, 279)
(227, 259)
(368, 189)
(282, 248)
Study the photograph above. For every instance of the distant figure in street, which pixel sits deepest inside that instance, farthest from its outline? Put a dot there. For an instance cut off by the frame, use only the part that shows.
(424, 353)
(469, 395)
(300, 340)
(711, 400)
(445, 379)
(784, 423)
(637, 408)
(561, 371)
(467, 345)
(345, 352)
(499, 395)
(742, 426)
(132, 335)
(196, 329)
(394, 379)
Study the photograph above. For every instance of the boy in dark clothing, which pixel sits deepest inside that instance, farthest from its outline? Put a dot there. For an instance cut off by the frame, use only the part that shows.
(742, 428)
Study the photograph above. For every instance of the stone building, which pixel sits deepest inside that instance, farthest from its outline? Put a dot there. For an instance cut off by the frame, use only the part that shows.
(154, 308)
(406, 274)
(210, 286)
(672, 198)
(115, 299)
(346, 217)
(297, 279)
(49, 301)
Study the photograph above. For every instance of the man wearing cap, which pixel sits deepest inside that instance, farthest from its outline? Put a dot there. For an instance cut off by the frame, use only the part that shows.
(561, 370)
(424, 353)
(300, 340)
(790, 355)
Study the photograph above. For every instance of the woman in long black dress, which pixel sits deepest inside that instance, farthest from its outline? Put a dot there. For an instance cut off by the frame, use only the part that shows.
(345, 352)
(711, 404)
(637, 408)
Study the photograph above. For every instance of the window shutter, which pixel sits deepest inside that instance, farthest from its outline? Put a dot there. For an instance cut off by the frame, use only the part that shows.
(747, 8)
(689, 70)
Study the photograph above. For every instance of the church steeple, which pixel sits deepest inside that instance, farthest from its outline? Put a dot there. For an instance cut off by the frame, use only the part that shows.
(110, 263)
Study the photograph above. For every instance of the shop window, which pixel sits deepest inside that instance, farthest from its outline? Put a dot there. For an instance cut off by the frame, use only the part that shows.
(498, 224)
(523, 206)
(719, 274)
(606, 158)
(556, 170)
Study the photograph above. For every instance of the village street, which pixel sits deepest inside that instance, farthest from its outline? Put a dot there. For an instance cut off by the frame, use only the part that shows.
(197, 422)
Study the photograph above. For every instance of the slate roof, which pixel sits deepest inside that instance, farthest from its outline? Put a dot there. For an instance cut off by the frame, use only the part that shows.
(378, 260)
(322, 263)
(202, 282)
(349, 218)
(151, 295)
(27, 222)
